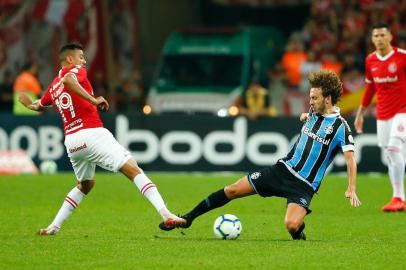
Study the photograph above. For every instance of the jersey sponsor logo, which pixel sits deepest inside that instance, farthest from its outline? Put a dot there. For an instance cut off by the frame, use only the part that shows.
(392, 67)
(315, 137)
(385, 79)
(255, 175)
(77, 148)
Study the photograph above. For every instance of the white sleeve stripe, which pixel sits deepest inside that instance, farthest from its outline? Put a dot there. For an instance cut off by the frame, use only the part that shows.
(402, 51)
(73, 74)
(348, 147)
(74, 70)
(42, 105)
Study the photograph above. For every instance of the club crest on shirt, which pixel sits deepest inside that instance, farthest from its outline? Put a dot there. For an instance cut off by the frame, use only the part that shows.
(255, 175)
(392, 67)
(328, 130)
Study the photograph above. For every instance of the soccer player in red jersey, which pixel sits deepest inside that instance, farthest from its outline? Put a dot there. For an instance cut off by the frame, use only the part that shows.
(87, 142)
(385, 71)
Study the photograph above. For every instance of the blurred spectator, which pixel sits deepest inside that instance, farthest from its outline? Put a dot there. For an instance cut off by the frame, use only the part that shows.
(329, 61)
(277, 86)
(256, 102)
(293, 58)
(100, 84)
(353, 81)
(129, 95)
(26, 82)
(6, 93)
(307, 67)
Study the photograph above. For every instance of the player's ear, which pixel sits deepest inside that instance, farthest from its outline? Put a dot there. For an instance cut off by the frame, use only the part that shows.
(69, 59)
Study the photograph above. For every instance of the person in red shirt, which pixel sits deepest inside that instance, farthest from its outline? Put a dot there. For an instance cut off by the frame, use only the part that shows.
(87, 142)
(385, 76)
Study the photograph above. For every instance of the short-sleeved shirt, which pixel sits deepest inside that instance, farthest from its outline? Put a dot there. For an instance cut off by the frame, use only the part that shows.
(321, 138)
(76, 112)
(385, 76)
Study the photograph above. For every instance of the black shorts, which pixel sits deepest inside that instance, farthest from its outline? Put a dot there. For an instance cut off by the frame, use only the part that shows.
(278, 181)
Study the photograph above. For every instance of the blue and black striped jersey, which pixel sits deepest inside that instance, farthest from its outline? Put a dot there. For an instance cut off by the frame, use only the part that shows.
(321, 138)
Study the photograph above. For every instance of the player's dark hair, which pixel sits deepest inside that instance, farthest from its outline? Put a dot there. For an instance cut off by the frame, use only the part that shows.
(68, 48)
(329, 82)
(380, 25)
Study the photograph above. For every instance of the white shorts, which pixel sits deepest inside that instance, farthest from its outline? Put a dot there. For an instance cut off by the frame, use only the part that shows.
(94, 146)
(394, 127)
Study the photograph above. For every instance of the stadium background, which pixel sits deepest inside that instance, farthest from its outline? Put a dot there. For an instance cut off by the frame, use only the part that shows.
(123, 41)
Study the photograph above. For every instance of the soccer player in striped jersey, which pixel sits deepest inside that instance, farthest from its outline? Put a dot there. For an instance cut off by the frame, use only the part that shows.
(298, 176)
(87, 142)
(385, 76)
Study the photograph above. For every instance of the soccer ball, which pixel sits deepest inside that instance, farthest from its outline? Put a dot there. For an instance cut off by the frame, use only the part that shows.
(227, 227)
(48, 167)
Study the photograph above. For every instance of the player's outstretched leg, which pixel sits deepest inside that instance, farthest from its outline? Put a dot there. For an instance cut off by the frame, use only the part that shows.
(214, 200)
(72, 200)
(150, 191)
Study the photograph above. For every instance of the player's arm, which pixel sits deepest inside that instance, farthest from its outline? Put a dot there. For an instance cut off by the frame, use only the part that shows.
(72, 84)
(29, 103)
(366, 100)
(350, 193)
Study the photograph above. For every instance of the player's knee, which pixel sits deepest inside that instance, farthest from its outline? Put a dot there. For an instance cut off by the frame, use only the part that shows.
(292, 225)
(131, 169)
(232, 191)
(86, 186)
(394, 155)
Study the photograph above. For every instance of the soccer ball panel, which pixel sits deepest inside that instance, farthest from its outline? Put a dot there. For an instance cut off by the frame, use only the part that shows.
(227, 227)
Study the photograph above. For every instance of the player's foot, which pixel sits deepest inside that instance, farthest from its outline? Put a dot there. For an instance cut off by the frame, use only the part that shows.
(170, 223)
(51, 230)
(396, 204)
(299, 234)
(302, 236)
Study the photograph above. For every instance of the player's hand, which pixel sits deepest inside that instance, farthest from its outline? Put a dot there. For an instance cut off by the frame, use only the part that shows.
(102, 103)
(352, 196)
(25, 99)
(304, 117)
(359, 123)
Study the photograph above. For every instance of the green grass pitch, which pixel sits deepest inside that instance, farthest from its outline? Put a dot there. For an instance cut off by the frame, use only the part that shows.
(116, 228)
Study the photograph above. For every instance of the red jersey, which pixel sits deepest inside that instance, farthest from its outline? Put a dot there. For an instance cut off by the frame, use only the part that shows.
(76, 112)
(386, 76)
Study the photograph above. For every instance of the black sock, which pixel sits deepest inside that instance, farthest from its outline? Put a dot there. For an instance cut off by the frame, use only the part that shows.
(298, 234)
(214, 200)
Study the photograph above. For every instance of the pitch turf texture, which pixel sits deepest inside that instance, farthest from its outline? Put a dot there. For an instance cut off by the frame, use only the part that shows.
(116, 228)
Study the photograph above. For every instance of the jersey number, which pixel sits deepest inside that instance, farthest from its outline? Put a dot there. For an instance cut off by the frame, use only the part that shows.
(64, 102)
